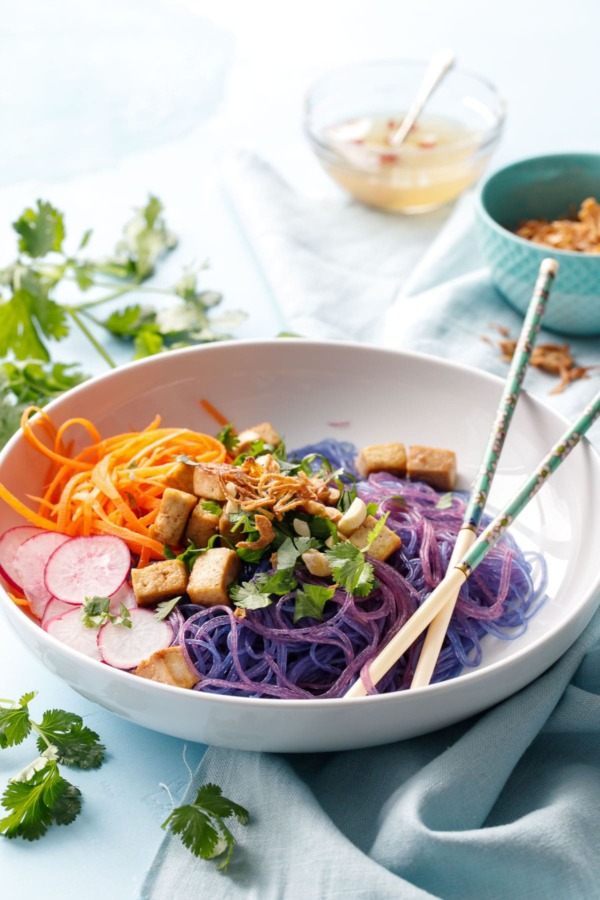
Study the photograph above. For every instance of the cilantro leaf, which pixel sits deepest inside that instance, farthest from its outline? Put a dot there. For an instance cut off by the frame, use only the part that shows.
(96, 612)
(41, 230)
(76, 744)
(281, 582)
(292, 549)
(35, 803)
(228, 437)
(15, 724)
(350, 569)
(445, 501)
(166, 607)
(145, 239)
(211, 506)
(311, 602)
(25, 319)
(30, 381)
(248, 595)
(201, 824)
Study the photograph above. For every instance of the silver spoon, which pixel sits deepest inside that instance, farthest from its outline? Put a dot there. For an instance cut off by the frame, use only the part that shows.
(439, 66)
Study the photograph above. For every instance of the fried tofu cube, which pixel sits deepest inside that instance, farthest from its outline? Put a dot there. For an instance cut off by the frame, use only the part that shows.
(201, 526)
(181, 477)
(434, 465)
(159, 581)
(382, 458)
(211, 575)
(263, 431)
(173, 514)
(168, 666)
(207, 482)
(384, 544)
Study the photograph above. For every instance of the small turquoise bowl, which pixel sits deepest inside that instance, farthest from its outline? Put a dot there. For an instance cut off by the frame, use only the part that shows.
(544, 187)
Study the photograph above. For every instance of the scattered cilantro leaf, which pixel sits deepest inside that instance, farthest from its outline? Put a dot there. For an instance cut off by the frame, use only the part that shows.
(201, 824)
(166, 607)
(280, 583)
(15, 724)
(292, 549)
(96, 612)
(41, 230)
(35, 803)
(311, 601)
(372, 508)
(228, 437)
(350, 569)
(211, 506)
(248, 595)
(445, 501)
(75, 743)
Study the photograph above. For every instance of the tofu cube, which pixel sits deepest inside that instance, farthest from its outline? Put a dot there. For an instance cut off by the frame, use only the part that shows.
(181, 477)
(263, 431)
(159, 581)
(434, 465)
(384, 544)
(207, 482)
(201, 526)
(173, 514)
(168, 666)
(382, 458)
(211, 575)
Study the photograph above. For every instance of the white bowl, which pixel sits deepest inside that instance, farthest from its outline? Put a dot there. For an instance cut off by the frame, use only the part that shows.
(304, 388)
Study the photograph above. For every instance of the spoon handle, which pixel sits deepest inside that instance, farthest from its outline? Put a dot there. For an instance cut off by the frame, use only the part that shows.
(441, 63)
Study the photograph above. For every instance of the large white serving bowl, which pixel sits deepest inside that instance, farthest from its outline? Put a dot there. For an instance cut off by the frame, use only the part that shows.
(310, 390)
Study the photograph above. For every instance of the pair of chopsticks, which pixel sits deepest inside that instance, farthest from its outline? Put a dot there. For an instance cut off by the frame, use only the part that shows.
(436, 611)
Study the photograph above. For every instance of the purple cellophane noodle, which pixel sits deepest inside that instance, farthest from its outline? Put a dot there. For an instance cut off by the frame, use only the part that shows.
(266, 655)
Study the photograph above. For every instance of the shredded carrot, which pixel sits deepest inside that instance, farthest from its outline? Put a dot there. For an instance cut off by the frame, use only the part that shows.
(214, 412)
(111, 486)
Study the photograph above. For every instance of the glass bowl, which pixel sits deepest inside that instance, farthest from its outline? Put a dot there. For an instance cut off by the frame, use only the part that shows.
(351, 113)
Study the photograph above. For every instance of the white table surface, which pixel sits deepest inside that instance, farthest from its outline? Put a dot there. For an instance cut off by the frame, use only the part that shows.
(71, 132)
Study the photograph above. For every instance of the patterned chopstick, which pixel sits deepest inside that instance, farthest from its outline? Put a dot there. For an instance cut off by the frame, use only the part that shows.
(483, 482)
(456, 577)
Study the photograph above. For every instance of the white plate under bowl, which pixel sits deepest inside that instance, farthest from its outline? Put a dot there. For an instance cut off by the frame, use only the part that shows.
(307, 389)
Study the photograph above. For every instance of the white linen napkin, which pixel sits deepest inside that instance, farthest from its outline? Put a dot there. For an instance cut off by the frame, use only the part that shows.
(340, 270)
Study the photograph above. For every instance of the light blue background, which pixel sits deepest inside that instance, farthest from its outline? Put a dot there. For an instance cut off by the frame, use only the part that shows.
(102, 102)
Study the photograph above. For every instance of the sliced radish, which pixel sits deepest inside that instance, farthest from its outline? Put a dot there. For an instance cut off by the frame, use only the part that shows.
(30, 560)
(69, 629)
(94, 566)
(54, 610)
(10, 542)
(125, 648)
(123, 596)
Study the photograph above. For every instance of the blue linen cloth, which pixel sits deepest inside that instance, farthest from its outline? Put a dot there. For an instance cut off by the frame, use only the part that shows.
(506, 804)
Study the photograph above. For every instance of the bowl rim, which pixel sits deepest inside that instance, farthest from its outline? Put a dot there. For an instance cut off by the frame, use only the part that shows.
(488, 137)
(540, 250)
(8, 608)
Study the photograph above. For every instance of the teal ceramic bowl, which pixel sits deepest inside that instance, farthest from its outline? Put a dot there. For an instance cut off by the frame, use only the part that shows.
(547, 187)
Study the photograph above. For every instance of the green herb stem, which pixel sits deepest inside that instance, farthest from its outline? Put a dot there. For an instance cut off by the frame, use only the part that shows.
(95, 343)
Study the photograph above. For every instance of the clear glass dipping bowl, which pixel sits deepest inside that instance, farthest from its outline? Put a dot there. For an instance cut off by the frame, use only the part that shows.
(407, 179)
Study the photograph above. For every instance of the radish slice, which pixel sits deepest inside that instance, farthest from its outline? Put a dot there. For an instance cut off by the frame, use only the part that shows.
(10, 542)
(94, 566)
(69, 629)
(125, 596)
(125, 648)
(30, 560)
(54, 610)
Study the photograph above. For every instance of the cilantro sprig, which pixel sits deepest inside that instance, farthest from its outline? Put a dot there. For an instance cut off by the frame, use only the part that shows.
(39, 796)
(201, 824)
(48, 291)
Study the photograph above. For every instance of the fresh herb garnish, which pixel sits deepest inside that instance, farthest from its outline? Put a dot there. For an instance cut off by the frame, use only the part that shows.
(211, 506)
(248, 595)
(311, 600)
(39, 796)
(350, 569)
(34, 313)
(166, 607)
(228, 437)
(445, 501)
(96, 612)
(201, 824)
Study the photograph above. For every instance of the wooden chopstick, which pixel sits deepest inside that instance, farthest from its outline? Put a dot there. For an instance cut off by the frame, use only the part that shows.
(483, 482)
(488, 539)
